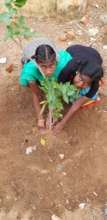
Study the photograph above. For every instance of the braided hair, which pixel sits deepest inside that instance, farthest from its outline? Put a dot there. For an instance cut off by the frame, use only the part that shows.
(44, 54)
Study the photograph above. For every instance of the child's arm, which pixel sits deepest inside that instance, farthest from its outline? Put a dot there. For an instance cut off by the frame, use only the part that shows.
(74, 108)
(36, 100)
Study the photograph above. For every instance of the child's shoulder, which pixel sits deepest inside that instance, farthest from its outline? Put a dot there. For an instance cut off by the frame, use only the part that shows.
(29, 68)
(64, 56)
(30, 64)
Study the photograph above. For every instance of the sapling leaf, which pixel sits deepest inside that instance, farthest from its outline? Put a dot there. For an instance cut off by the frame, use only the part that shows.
(20, 3)
(56, 93)
(5, 17)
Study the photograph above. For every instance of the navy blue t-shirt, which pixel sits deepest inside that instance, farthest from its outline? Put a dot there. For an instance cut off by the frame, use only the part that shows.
(81, 55)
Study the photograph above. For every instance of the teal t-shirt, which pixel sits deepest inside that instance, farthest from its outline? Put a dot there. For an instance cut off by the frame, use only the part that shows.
(30, 71)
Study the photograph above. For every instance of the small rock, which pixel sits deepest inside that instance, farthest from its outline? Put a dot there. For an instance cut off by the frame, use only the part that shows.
(105, 47)
(54, 217)
(96, 5)
(60, 168)
(103, 29)
(33, 207)
(64, 173)
(30, 149)
(67, 201)
(93, 31)
(70, 35)
(92, 39)
(69, 43)
(3, 60)
(63, 37)
(103, 18)
(82, 205)
(105, 211)
(95, 194)
(32, 30)
(8, 197)
(61, 183)
(85, 20)
(10, 68)
(61, 156)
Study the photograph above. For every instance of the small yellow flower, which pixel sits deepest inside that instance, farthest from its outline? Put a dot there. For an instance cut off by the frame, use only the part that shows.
(42, 141)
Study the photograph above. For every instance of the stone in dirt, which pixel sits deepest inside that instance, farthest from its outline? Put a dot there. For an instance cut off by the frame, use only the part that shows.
(103, 18)
(30, 149)
(85, 20)
(61, 156)
(54, 217)
(10, 68)
(62, 37)
(93, 31)
(105, 211)
(82, 205)
(70, 35)
(3, 60)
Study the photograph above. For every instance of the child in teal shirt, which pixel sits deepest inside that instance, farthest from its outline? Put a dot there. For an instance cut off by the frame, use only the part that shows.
(41, 59)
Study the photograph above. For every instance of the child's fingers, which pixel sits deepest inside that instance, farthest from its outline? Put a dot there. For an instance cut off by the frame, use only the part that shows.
(41, 123)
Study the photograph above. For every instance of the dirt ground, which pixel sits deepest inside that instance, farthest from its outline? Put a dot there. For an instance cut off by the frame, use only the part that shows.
(71, 167)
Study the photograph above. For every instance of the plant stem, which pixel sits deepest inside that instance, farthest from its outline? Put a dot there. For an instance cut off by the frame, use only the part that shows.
(50, 119)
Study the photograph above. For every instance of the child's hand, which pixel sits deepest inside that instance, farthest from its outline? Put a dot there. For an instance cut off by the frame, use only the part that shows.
(41, 123)
(58, 128)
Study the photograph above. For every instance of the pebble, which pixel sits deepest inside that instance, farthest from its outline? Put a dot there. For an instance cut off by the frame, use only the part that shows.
(85, 20)
(8, 197)
(3, 60)
(95, 194)
(92, 39)
(70, 35)
(63, 37)
(93, 31)
(69, 43)
(82, 205)
(97, 6)
(105, 47)
(67, 201)
(54, 217)
(30, 149)
(103, 18)
(61, 156)
(60, 168)
(105, 211)
(64, 173)
(10, 68)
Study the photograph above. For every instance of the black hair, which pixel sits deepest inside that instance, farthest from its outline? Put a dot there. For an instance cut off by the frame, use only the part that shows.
(92, 70)
(44, 54)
